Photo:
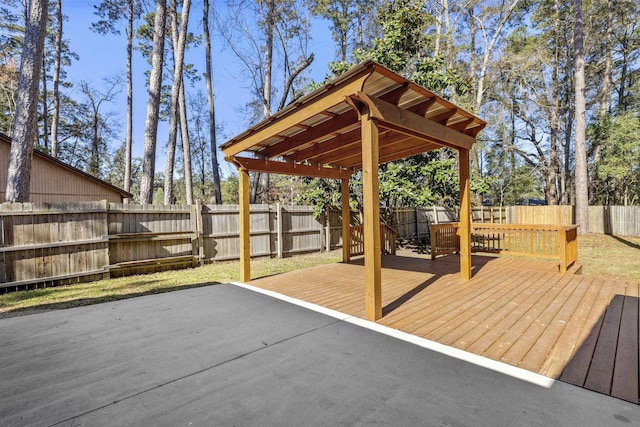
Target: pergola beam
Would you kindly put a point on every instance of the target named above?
(354, 150)
(336, 143)
(329, 126)
(394, 117)
(270, 166)
(297, 113)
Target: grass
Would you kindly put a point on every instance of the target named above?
(599, 255)
(131, 286)
(613, 256)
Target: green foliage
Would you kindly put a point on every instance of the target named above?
(618, 171)
(229, 188)
(323, 194)
(431, 73)
(403, 25)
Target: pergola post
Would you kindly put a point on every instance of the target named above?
(346, 221)
(371, 196)
(465, 215)
(245, 237)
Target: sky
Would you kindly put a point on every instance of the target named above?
(104, 56)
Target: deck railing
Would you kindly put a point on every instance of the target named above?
(540, 241)
(387, 240)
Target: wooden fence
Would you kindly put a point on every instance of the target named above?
(615, 220)
(44, 244)
(556, 215)
(59, 243)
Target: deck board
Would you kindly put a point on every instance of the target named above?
(579, 329)
(625, 377)
(535, 358)
(600, 374)
(567, 343)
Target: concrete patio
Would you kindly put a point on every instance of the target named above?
(224, 355)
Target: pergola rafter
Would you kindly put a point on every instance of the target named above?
(364, 118)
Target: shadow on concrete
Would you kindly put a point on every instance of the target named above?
(97, 300)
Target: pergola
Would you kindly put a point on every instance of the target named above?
(364, 118)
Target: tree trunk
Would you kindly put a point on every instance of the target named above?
(270, 22)
(551, 191)
(581, 175)
(24, 129)
(210, 98)
(45, 110)
(179, 42)
(438, 35)
(568, 111)
(447, 33)
(153, 105)
(170, 158)
(605, 91)
(605, 99)
(186, 146)
(268, 58)
(94, 161)
(129, 137)
(56, 82)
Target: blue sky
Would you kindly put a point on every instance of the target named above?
(103, 56)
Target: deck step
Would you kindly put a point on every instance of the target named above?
(575, 269)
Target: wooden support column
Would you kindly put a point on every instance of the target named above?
(245, 237)
(371, 196)
(465, 214)
(346, 222)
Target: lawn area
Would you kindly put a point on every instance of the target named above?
(613, 256)
(131, 286)
(599, 255)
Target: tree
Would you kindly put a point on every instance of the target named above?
(24, 131)
(153, 105)
(55, 119)
(581, 177)
(178, 35)
(110, 12)
(618, 172)
(346, 18)
(211, 102)
(275, 43)
(97, 123)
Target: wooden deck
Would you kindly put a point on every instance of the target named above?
(580, 329)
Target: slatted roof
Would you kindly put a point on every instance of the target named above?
(320, 134)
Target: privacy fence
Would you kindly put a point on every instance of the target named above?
(43, 244)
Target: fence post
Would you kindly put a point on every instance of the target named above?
(435, 215)
(327, 233)
(200, 231)
(280, 243)
(104, 204)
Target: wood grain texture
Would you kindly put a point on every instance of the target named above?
(579, 329)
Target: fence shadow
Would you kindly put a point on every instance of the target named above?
(80, 302)
(626, 242)
(607, 360)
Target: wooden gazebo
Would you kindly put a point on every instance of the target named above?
(364, 118)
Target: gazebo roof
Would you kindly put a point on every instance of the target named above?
(319, 134)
